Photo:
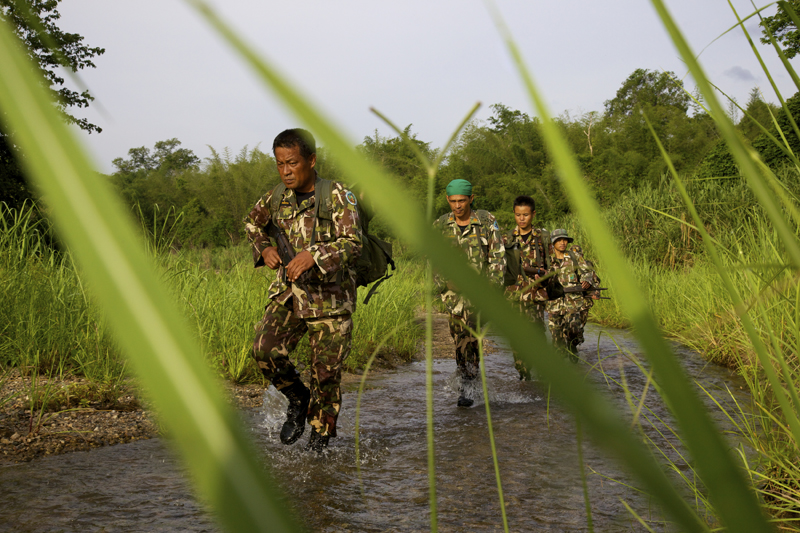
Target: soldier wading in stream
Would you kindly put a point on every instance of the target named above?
(322, 304)
(530, 247)
(478, 235)
(567, 315)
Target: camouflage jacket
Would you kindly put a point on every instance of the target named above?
(482, 242)
(570, 274)
(337, 244)
(533, 253)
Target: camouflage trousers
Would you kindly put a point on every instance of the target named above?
(467, 356)
(534, 311)
(330, 338)
(567, 329)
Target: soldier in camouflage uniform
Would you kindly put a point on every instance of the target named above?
(478, 235)
(324, 306)
(534, 251)
(567, 315)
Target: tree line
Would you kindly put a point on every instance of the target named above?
(502, 157)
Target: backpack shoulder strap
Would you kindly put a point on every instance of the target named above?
(275, 200)
(323, 193)
(544, 242)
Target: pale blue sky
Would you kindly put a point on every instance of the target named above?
(165, 74)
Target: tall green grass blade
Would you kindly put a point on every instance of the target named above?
(361, 385)
(750, 170)
(432, 168)
(149, 327)
(780, 144)
(737, 507)
(600, 418)
(788, 66)
(767, 72)
(496, 463)
(584, 484)
(756, 340)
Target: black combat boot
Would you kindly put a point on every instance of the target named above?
(299, 398)
(463, 399)
(572, 351)
(317, 442)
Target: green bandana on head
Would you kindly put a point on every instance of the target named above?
(459, 186)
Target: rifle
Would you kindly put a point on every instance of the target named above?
(580, 289)
(534, 271)
(286, 253)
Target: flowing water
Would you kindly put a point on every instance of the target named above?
(140, 487)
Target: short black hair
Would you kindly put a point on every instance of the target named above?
(296, 137)
(525, 200)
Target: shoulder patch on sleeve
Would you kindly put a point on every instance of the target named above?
(351, 198)
(495, 226)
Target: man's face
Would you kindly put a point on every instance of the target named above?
(524, 216)
(459, 204)
(561, 244)
(296, 171)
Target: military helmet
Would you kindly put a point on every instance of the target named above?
(560, 234)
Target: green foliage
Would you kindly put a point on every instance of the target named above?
(783, 27)
(49, 47)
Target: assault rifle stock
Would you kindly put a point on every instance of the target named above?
(286, 253)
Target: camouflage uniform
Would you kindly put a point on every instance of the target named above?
(533, 253)
(482, 242)
(567, 315)
(326, 316)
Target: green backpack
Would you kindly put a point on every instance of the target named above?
(375, 264)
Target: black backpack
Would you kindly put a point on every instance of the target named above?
(375, 264)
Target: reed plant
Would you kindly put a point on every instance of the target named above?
(168, 358)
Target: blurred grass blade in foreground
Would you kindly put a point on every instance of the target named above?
(93, 222)
(601, 420)
(729, 492)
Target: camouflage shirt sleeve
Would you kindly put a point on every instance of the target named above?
(254, 224)
(345, 247)
(497, 254)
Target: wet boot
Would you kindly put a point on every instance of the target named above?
(463, 399)
(317, 443)
(572, 351)
(299, 398)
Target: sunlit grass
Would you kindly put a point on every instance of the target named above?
(159, 341)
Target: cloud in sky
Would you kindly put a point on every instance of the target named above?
(740, 74)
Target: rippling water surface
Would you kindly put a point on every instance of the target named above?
(139, 487)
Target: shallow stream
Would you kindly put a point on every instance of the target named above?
(140, 487)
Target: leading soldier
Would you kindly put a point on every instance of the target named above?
(533, 245)
(567, 315)
(478, 236)
(323, 305)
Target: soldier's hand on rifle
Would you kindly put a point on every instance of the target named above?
(271, 257)
(586, 285)
(301, 262)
